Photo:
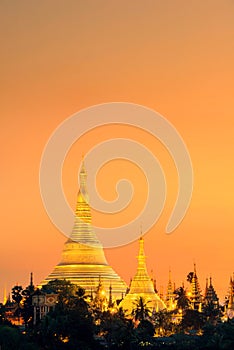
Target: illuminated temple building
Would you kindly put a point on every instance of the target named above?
(84, 263)
(83, 260)
(142, 286)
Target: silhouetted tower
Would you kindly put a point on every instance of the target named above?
(195, 292)
(210, 296)
(170, 296)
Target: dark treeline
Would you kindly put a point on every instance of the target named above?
(79, 322)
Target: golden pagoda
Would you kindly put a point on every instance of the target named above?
(83, 260)
(170, 297)
(142, 286)
(230, 300)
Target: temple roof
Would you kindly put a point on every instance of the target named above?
(210, 293)
(195, 296)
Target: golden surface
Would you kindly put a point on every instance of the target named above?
(142, 286)
(83, 260)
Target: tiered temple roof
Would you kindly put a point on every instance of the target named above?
(210, 294)
(170, 296)
(195, 292)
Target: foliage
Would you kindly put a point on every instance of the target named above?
(190, 277)
(17, 297)
(66, 329)
(211, 312)
(70, 325)
(2, 314)
(74, 324)
(65, 289)
(12, 339)
(181, 298)
(23, 299)
(163, 322)
(192, 320)
(117, 331)
(9, 337)
(27, 310)
(17, 294)
(141, 310)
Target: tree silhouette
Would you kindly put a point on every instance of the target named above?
(17, 297)
(17, 294)
(163, 322)
(181, 298)
(211, 312)
(190, 277)
(27, 309)
(118, 331)
(192, 320)
(140, 310)
(65, 289)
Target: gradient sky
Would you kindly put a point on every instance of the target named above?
(175, 57)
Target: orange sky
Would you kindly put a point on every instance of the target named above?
(175, 57)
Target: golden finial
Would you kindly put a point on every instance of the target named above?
(5, 296)
(169, 273)
(141, 230)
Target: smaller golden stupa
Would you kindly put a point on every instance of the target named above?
(142, 286)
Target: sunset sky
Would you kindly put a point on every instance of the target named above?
(175, 57)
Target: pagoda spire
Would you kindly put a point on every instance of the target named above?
(170, 296)
(231, 294)
(195, 297)
(9, 298)
(83, 231)
(141, 257)
(142, 285)
(83, 182)
(210, 296)
(206, 288)
(5, 296)
(83, 260)
(31, 287)
(83, 212)
(142, 275)
(31, 279)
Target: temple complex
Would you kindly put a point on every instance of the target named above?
(83, 263)
(230, 299)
